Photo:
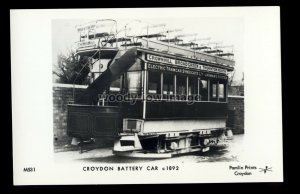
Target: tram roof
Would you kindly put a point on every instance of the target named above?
(164, 49)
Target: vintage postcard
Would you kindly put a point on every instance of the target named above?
(146, 95)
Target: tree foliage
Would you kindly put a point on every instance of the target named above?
(70, 70)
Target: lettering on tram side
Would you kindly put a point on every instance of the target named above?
(185, 64)
(185, 71)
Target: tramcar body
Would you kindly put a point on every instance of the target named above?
(152, 97)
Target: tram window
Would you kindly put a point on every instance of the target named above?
(222, 92)
(154, 83)
(133, 83)
(137, 66)
(203, 90)
(115, 86)
(193, 88)
(213, 91)
(168, 85)
(181, 87)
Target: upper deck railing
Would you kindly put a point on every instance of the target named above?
(94, 39)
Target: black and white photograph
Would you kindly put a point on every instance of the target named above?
(123, 96)
(147, 90)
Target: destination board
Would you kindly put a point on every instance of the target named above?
(185, 64)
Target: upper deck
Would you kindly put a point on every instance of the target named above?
(102, 36)
(155, 47)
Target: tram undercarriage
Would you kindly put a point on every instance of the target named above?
(165, 145)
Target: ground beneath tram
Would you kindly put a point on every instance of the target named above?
(105, 155)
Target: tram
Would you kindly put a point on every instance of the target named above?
(155, 99)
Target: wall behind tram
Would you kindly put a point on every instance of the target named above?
(236, 114)
(63, 93)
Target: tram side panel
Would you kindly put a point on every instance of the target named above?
(133, 109)
(85, 122)
(181, 110)
(183, 117)
(185, 125)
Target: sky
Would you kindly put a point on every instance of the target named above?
(227, 30)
